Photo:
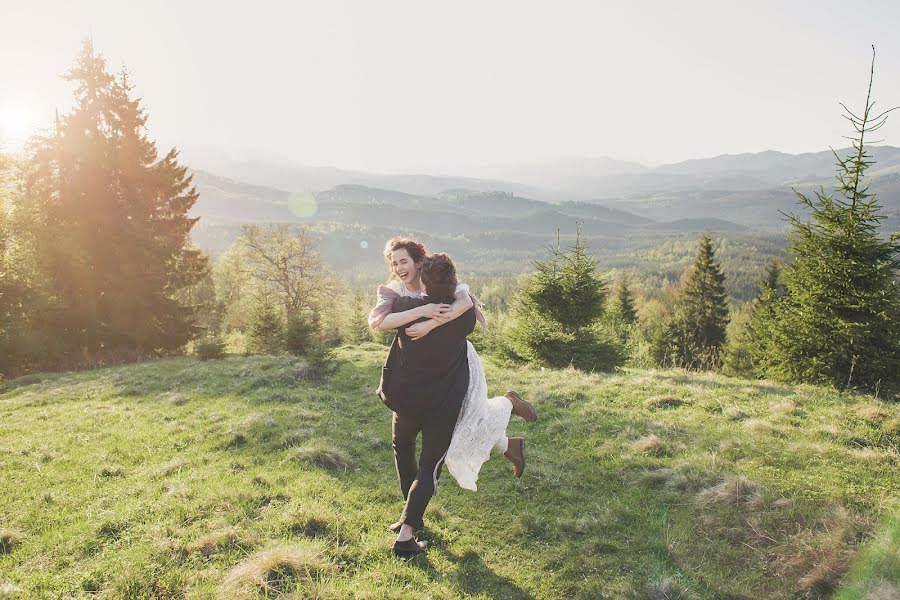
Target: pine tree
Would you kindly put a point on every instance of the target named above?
(748, 346)
(697, 332)
(267, 329)
(839, 322)
(625, 302)
(762, 317)
(559, 310)
(109, 226)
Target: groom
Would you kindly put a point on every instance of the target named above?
(425, 382)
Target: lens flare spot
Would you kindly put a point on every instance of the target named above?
(364, 244)
(303, 204)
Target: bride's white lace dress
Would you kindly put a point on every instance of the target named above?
(481, 425)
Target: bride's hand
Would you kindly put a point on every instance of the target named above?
(420, 330)
(434, 311)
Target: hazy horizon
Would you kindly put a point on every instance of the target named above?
(413, 87)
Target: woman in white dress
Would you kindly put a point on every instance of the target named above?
(482, 421)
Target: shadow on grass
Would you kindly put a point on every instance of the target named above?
(690, 378)
(472, 576)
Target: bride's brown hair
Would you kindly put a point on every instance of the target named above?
(415, 250)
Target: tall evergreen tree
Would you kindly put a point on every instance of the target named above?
(839, 322)
(625, 302)
(109, 225)
(559, 310)
(697, 331)
(748, 341)
(762, 317)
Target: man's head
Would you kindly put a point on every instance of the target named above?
(439, 276)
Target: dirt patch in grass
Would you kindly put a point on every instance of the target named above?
(296, 438)
(305, 523)
(112, 529)
(9, 539)
(275, 571)
(663, 402)
(111, 471)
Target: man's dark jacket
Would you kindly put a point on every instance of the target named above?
(422, 374)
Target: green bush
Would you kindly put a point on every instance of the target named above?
(559, 313)
(301, 335)
(210, 348)
(266, 335)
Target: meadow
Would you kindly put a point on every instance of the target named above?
(252, 477)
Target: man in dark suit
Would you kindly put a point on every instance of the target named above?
(425, 382)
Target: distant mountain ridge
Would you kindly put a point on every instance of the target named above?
(497, 226)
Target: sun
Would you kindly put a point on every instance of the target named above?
(14, 126)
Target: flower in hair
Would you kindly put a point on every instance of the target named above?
(421, 247)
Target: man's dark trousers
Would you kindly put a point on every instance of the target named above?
(418, 482)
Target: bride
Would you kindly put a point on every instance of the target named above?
(482, 421)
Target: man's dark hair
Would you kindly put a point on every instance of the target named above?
(439, 276)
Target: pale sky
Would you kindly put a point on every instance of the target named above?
(418, 85)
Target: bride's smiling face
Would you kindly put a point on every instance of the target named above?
(404, 267)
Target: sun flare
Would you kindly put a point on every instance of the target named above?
(14, 125)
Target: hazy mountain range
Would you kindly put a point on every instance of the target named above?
(502, 215)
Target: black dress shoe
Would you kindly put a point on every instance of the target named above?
(409, 548)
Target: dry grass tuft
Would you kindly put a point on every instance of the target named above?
(880, 590)
(324, 457)
(9, 539)
(173, 466)
(870, 412)
(819, 560)
(8, 590)
(650, 445)
(735, 414)
(110, 471)
(735, 492)
(759, 427)
(275, 571)
(667, 589)
(218, 540)
(663, 402)
(295, 439)
(786, 408)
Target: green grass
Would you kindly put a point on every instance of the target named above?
(240, 478)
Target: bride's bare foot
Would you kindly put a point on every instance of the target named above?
(521, 407)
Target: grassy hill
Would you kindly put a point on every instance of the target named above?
(244, 478)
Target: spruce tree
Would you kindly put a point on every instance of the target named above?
(559, 310)
(748, 343)
(839, 322)
(697, 332)
(762, 317)
(625, 302)
(109, 225)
